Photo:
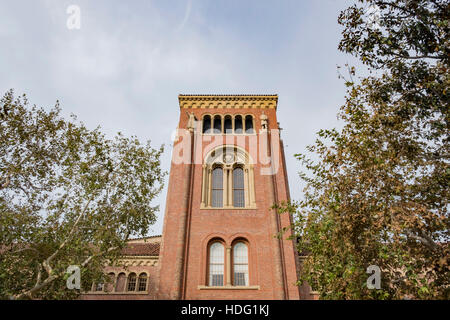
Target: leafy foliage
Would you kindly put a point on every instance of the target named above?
(68, 196)
(378, 193)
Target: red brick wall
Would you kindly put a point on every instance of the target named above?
(255, 225)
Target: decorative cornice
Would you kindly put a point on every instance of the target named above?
(133, 261)
(231, 101)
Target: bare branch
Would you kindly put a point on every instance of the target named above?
(46, 263)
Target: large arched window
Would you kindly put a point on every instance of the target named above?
(248, 124)
(238, 187)
(217, 124)
(216, 264)
(142, 283)
(240, 264)
(238, 128)
(217, 188)
(131, 282)
(207, 124)
(228, 179)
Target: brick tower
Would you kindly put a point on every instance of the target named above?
(227, 171)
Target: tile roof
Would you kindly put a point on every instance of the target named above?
(141, 249)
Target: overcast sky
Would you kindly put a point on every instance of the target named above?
(124, 68)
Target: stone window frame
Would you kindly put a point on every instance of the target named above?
(232, 264)
(138, 284)
(129, 282)
(208, 262)
(125, 288)
(233, 116)
(228, 268)
(217, 158)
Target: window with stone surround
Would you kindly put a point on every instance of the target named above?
(240, 264)
(131, 282)
(216, 265)
(228, 124)
(228, 179)
(227, 266)
(142, 283)
(120, 283)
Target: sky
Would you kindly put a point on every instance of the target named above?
(124, 67)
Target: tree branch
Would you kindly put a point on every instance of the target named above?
(424, 239)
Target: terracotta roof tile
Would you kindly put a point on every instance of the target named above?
(141, 249)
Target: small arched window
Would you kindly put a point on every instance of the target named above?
(216, 264)
(99, 286)
(131, 282)
(206, 124)
(217, 124)
(228, 125)
(238, 124)
(248, 124)
(109, 286)
(217, 188)
(240, 264)
(120, 285)
(238, 187)
(142, 283)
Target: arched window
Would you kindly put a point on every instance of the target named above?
(238, 124)
(248, 124)
(98, 286)
(217, 188)
(228, 179)
(240, 264)
(238, 187)
(120, 285)
(109, 286)
(228, 125)
(206, 124)
(217, 124)
(142, 284)
(131, 282)
(216, 264)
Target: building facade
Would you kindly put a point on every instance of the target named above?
(219, 236)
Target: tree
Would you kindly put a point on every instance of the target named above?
(379, 192)
(68, 196)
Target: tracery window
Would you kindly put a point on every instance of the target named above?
(228, 179)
